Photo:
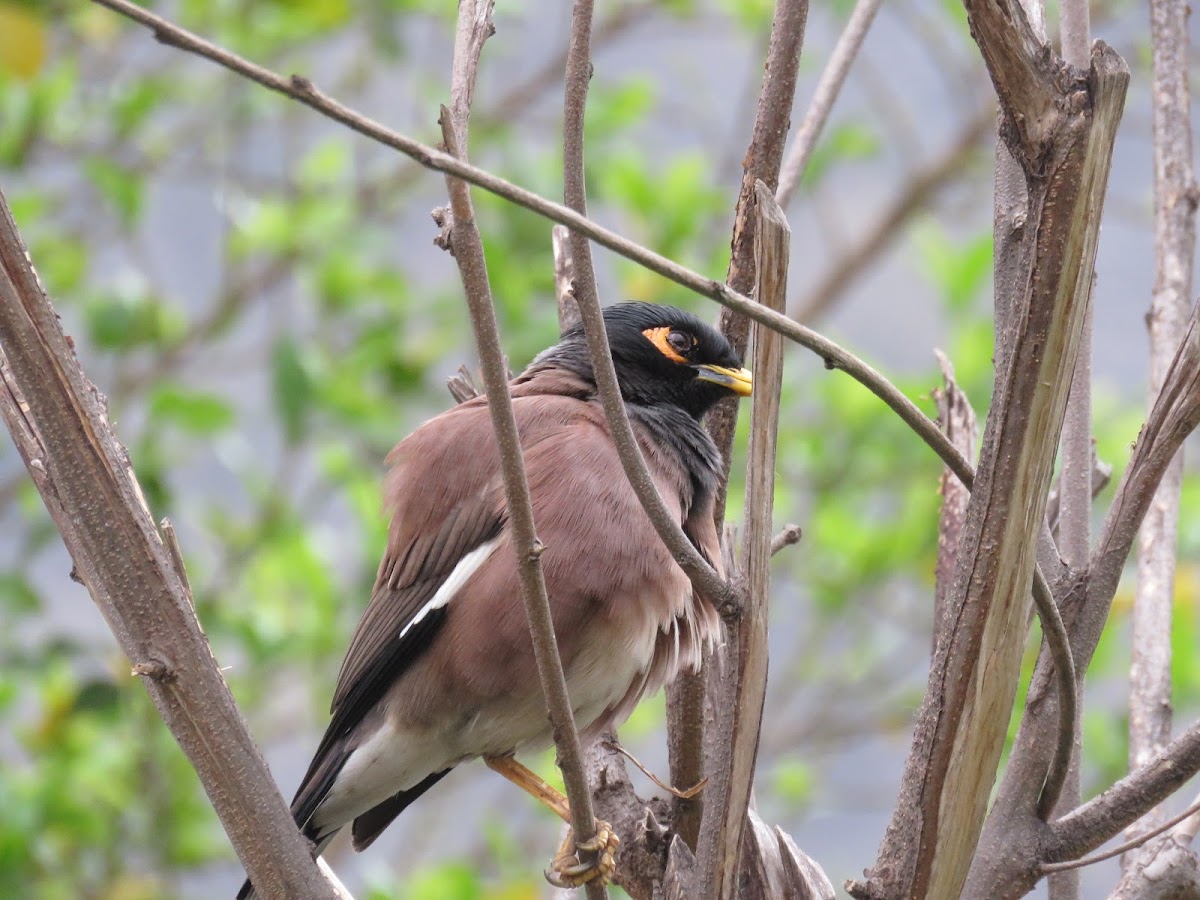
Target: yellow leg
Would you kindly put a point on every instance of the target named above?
(567, 870)
(532, 784)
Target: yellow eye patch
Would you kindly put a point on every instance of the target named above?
(658, 337)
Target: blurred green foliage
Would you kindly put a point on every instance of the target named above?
(260, 370)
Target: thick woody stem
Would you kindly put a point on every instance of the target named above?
(60, 424)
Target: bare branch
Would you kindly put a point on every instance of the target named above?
(468, 252)
(302, 90)
(743, 690)
(474, 27)
(961, 728)
(704, 578)
(788, 535)
(1099, 819)
(1174, 415)
(1175, 242)
(826, 93)
(761, 163)
(1132, 844)
(917, 194)
(59, 422)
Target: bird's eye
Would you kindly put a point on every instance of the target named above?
(681, 342)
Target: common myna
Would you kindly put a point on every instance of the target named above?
(441, 668)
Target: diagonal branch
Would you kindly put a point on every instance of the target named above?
(761, 163)
(303, 91)
(1096, 821)
(59, 422)
(703, 577)
(825, 95)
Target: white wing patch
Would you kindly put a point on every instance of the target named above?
(467, 566)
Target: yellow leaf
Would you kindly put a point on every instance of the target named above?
(22, 41)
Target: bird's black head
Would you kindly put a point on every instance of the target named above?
(663, 355)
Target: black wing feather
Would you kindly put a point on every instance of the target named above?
(378, 655)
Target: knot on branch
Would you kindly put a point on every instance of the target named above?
(444, 220)
(154, 668)
(302, 84)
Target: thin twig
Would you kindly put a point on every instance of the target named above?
(1189, 827)
(468, 253)
(1054, 633)
(826, 93)
(681, 793)
(788, 535)
(1093, 823)
(1133, 844)
(474, 27)
(704, 578)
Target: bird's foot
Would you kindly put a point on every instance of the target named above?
(568, 871)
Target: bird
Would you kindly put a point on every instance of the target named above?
(440, 669)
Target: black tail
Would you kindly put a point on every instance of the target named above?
(371, 824)
(366, 828)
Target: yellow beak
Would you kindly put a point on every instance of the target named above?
(740, 381)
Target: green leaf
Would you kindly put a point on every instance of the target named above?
(325, 165)
(794, 780)
(292, 389)
(17, 594)
(959, 268)
(120, 187)
(196, 411)
(119, 323)
(847, 142)
(268, 225)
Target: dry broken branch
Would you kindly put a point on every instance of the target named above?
(1062, 130)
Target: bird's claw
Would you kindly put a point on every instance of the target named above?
(567, 871)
